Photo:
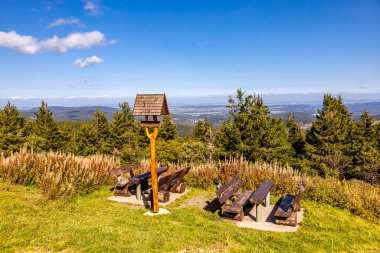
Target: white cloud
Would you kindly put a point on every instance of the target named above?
(67, 21)
(82, 63)
(74, 40)
(22, 43)
(29, 45)
(92, 7)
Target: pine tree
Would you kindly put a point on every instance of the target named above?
(125, 134)
(203, 132)
(296, 136)
(102, 131)
(228, 140)
(364, 151)
(12, 129)
(328, 139)
(167, 130)
(45, 130)
(86, 141)
(261, 135)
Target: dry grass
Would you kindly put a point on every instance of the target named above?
(57, 175)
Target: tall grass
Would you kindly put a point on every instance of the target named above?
(60, 176)
(57, 175)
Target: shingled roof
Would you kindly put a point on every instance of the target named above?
(150, 104)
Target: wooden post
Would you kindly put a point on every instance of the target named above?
(259, 213)
(153, 170)
(267, 200)
(138, 191)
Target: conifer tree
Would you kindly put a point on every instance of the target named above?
(102, 131)
(297, 138)
(167, 130)
(328, 138)
(125, 134)
(12, 129)
(203, 132)
(45, 130)
(364, 151)
(261, 135)
(228, 140)
(86, 141)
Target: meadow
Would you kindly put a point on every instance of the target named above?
(340, 216)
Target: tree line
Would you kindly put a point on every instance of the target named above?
(335, 146)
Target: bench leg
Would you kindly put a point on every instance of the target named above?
(259, 213)
(267, 200)
(138, 191)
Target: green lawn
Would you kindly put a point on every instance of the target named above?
(92, 223)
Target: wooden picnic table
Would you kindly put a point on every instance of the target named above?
(257, 198)
(142, 179)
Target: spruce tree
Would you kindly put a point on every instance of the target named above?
(102, 131)
(261, 135)
(45, 130)
(125, 134)
(297, 138)
(12, 129)
(364, 151)
(328, 139)
(203, 132)
(86, 141)
(167, 130)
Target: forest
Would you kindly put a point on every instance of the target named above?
(336, 146)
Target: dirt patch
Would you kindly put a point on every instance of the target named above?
(198, 201)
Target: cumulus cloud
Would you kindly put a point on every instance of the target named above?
(29, 45)
(22, 43)
(92, 7)
(82, 63)
(65, 21)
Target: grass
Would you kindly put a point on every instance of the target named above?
(91, 223)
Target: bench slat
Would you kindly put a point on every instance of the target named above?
(239, 202)
(286, 207)
(230, 188)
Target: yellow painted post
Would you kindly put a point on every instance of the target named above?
(153, 170)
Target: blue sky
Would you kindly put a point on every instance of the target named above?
(74, 48)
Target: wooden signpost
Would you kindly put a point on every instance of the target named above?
(153, 105)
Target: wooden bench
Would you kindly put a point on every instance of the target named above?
(178, 185)
(171, 183)
(235, 209)
(286, 213)
(257, 198)
(135, 183)
(163, 186)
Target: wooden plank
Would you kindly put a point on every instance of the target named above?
(239, 202)
(299, 195)
(291, 221)
(285, 209)
(230, 188)
(259, 195)
(179, 180)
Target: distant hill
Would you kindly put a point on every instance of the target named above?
(189, 115)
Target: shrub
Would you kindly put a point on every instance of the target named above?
(58, 175)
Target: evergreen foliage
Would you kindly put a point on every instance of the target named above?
(12, 129)
(364, 151)
(46, 135)
(328, 139)
(167, 130)
(261, 136)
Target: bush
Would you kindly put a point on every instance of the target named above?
(56, 174)
(360, 198)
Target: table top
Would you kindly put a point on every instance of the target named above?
(261, 192)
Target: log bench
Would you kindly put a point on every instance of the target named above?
(286, 213)
(257, 198)
(234, 210)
